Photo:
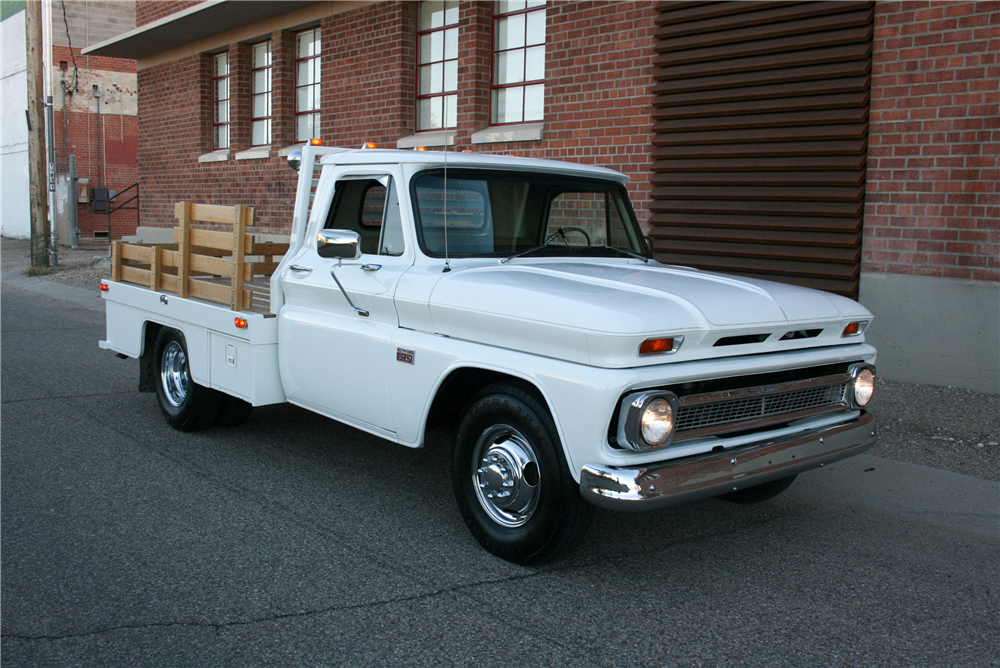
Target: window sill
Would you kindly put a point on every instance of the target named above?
(283, 153)
(215, 156)
(254, 153)
(439, 138)
(508, 133)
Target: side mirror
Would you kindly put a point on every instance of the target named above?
(295, 159)
(339, 244)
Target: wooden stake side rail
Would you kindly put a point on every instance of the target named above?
(206, 264)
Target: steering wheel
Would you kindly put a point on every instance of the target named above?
(561, 232)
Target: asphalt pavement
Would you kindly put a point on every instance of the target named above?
(296, 541)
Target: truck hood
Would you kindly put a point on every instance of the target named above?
(599, 312)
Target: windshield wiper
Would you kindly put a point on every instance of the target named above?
(576, 250)
(527, 251)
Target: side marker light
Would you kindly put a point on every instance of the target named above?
(105, 287)
(241, 323)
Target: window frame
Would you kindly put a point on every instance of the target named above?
(317, 84)
(494, 52)
(217, 101)
(269, 92)
(418, 96)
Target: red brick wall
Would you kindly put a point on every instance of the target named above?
(597, 110)
(107, 158)
(147, 11)
(933, 201)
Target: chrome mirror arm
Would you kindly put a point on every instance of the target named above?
(333, 272)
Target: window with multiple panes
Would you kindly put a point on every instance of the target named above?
(437, 65)
(260, 123)
(307, 76)
(518, 61)
(220, 85)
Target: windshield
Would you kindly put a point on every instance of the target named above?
(481, 213)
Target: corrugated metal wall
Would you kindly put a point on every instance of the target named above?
(761, 139)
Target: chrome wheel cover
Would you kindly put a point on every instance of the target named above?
(174, 374)
(505, 475)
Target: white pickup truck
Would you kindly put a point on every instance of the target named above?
(517, 300)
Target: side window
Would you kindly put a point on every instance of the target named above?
(370, 207)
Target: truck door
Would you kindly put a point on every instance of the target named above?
(333, 359)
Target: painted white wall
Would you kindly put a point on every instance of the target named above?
(15, 217)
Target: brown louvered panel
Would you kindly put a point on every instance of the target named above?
(760, 139)
(766, 37)
(786, 118)
(751, 17)
(759, 207)
(720, 222)
(847, 66)
(681, 12)
(784, 193)
(726, 179)
(775, 148)
(759, 62)
(794, 237)
(849, 161)
(767, 94)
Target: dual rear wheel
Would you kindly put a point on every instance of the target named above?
(186, 405)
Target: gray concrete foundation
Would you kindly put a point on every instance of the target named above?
(940, 331)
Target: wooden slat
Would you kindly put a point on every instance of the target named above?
(243, 219)
(208, 213)
(208, 239)
(155, 269)
(134, 275)
(169, 282)
(134, 252)
(184, 245)
(214, 266)
(212, 292)
(116, 261)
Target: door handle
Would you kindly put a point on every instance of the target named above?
(371, 267)
(300, 269)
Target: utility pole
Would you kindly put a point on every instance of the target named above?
(36, 136)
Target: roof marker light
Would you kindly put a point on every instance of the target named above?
(370, 144)
(316, 142)
(420, 148)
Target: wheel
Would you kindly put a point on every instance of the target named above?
(186, 405)
(511, 481)
(759, 493)
(233, 411)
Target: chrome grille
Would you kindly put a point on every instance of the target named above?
(721, 412)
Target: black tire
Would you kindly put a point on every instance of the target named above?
(546, 515)
(233, 411)
(759, 493)
(186, 405)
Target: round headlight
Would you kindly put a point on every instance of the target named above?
(657, 421)
(864, 387)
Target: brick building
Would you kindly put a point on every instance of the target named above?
(849, 146)
(95, 117)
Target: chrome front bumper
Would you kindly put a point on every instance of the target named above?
(669, 483)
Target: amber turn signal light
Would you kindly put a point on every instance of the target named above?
(653, 346)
